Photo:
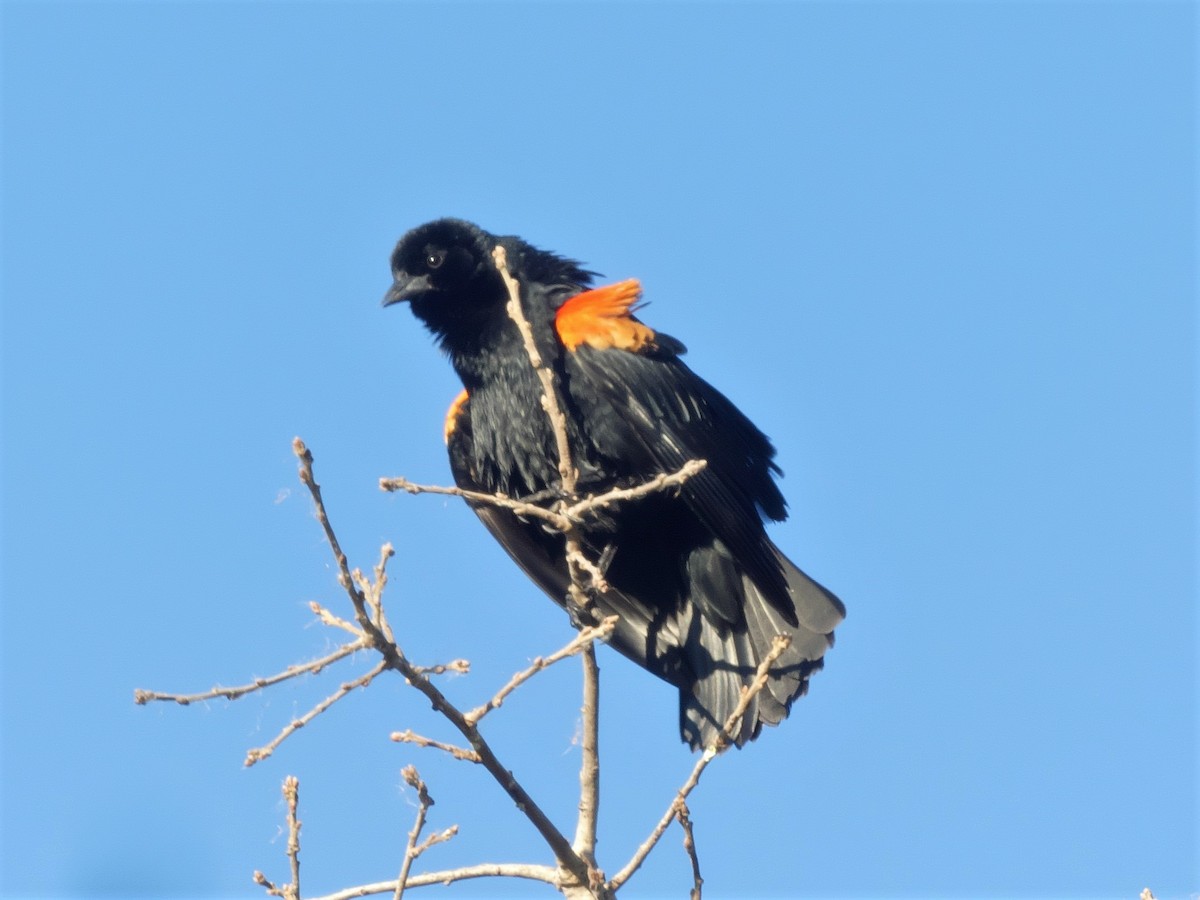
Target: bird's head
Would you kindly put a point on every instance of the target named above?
(445, 270)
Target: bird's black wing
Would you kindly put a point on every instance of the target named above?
(647, 412)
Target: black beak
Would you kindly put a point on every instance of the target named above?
(405, 287)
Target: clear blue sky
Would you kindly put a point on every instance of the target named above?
(943, 253)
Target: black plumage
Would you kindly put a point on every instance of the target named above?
(700, 589)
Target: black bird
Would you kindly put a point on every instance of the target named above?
(700, 589)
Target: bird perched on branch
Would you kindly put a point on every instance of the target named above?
(700, 589)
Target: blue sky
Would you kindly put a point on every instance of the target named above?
(943, 253)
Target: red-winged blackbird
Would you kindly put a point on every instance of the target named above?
(700, 589)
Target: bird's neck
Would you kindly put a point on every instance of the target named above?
(492, 353)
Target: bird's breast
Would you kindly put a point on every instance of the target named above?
(513, 445)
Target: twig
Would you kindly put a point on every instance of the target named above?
(571, 514)
(589, 770)
(258, 754)
(457, 666)
(567, 473)
(564, 518)
(722, 742)
(552, 404)
(345, 578)
(142, 697)
(373, 591)
(689, 845)
(516, 507)
(261, 879)
(335, 621)
(410, 737)
(413, 850)
(531, 871)
(291, 791)
(584, 574)
(618, 495)
(581, 642)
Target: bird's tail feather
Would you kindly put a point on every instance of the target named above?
(724, 659)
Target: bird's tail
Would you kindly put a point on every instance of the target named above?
(724, 658)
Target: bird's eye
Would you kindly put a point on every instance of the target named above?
(434, 258)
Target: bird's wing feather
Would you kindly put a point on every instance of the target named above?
(647, 412)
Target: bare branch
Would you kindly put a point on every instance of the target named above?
(689, 844)
(142, 697)
(345, 579)
(720, 745)
(545, 874)
(582, 641)
(291, 792)
(410, 737)
(619, 495)
(272, 890)
(374, 591)
(550, 401)
(456, 666)
(439, 837)
(517, 507)
(570, 515)
(585, 574)
(335, 621)
(258, 754)
(413, 849)
(589, 769)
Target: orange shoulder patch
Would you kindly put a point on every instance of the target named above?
(452, 414)
(603, 318)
